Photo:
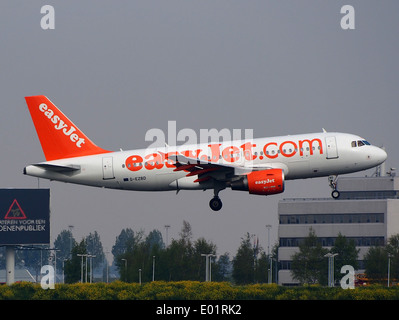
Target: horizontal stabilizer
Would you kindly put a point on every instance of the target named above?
(58, 168)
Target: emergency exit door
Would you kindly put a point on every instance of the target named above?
(108, 169)
(331, 146)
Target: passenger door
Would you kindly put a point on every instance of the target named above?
(108, 169)
(331, 146)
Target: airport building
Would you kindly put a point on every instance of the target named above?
(366, 211)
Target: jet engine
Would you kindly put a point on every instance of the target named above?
(262, 182)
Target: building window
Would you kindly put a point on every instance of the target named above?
(285, 265)
(330, 241)
(331, 218)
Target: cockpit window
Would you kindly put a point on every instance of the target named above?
(362, 143)
(359, 143)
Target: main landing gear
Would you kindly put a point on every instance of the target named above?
(333, 184)
(216, 203)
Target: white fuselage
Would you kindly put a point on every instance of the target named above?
(300, 156)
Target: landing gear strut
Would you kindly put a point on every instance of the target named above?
(333, 184)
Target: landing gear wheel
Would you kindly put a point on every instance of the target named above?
(335, 194)
(215, 204)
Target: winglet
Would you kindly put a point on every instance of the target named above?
(59, 137)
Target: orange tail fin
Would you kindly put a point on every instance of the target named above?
(59, 137)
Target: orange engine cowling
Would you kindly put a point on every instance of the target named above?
(263, 182)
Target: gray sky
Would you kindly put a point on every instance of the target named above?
(120, 68)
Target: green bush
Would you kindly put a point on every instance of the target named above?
(190, 290)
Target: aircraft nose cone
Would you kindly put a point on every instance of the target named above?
(384, 155)
(380, 155)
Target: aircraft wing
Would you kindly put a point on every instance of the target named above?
(222, 172)
(203, 169)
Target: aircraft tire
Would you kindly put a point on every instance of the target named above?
(215, 204)
(335, 194)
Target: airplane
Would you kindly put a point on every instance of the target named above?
(259, 166)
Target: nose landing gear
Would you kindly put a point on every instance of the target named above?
(333, 184)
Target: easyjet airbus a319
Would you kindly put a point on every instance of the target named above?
(260, 166)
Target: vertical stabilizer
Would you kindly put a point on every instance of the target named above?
(60, 137)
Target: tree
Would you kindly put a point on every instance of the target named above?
(156, 248)
(183, 260)
(376, 262)
(243, 262)
(262, 268)
(251, 263)
(95, 248)
(123, 242)
(309, 264)
(132, 255)
(186, 233)
(63, 244)
(73, 267)
(176, 260)
(274, 266)
(347, 254)
(198, 262)
(392, 249)
(154, 238)
(138, 253)
(223, 268)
